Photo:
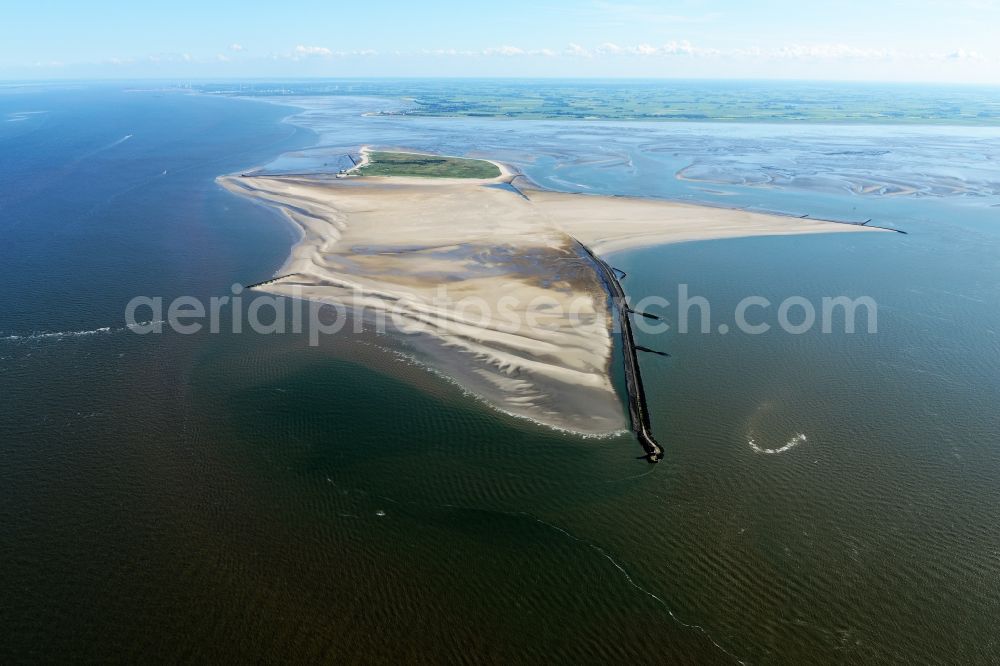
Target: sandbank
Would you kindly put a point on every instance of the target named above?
(485, 283)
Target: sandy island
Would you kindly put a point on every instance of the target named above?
(438, 253)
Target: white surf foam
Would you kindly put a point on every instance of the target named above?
(788, 446)
(58, 335)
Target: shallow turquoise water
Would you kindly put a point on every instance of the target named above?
(221, 496)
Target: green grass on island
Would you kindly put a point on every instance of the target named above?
(426, 166)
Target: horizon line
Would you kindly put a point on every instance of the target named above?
(275, 79)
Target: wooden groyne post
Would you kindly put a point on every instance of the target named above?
(274, 279)
(638, 411)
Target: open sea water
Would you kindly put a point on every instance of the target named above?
(221, 497)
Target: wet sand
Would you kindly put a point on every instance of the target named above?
(485, 285)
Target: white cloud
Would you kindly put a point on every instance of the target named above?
(447, 52)
(168, 57)
(806, 53)
(671, 48)
(303, 51)
(831, 51)
(504, 51)
(236, 47)
(961, 54)
(684, 48)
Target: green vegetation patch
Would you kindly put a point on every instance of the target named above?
(426, 166)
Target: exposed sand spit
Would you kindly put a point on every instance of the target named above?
(485, 285)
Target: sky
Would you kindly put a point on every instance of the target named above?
(883, 40)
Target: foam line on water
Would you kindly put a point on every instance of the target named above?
(59, 335)
(628, 578)
(787, 446)
(569, 535)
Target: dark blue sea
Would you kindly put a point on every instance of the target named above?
(823, 497)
